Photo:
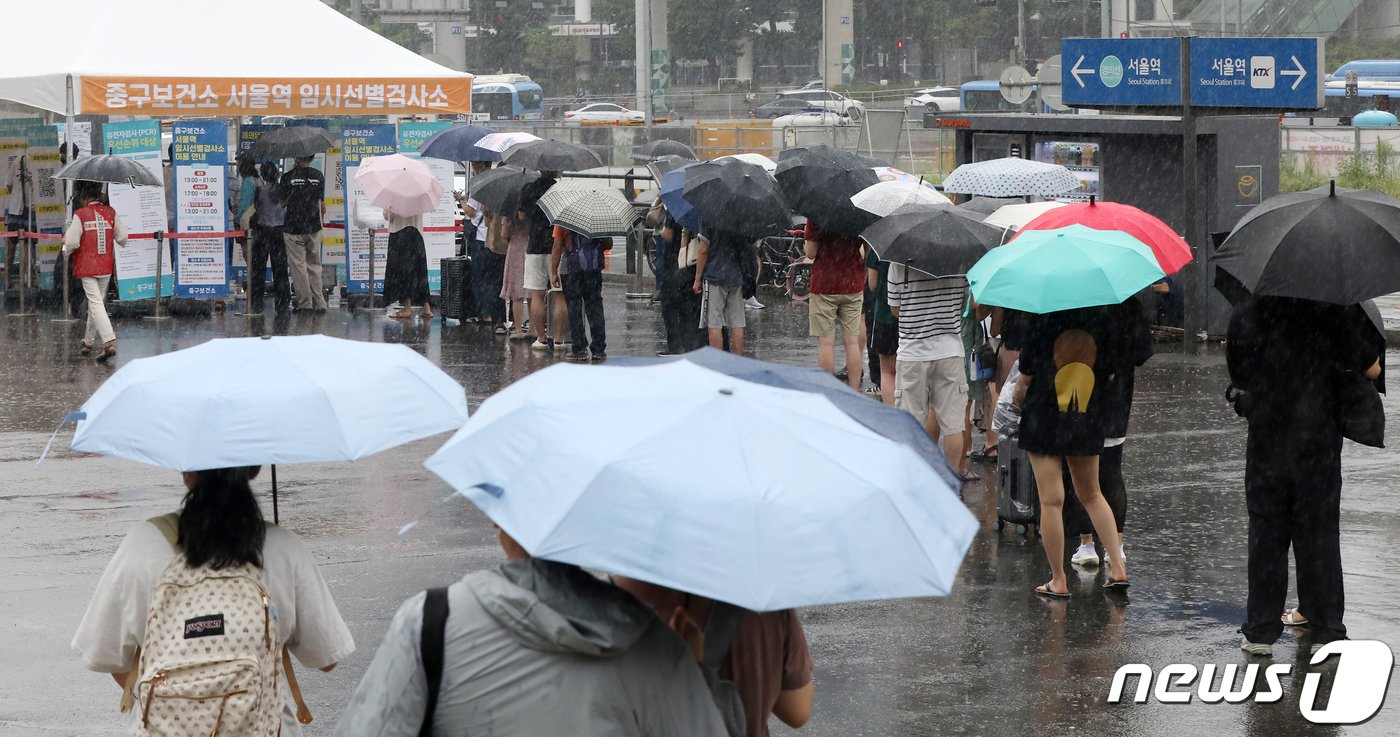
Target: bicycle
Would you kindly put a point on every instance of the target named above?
(783, 265)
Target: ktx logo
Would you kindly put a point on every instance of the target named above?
(1357, 694)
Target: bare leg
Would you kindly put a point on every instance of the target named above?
(517, 313)
(1084, 470)
(736, 341)
(537, 320)
(826, 353)
(855, 357)
(1051, 485)
(887, 379)
(559, 324)
(717, 338)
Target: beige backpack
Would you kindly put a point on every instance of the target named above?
(209, 663)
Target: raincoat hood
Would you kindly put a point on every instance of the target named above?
(560, 608)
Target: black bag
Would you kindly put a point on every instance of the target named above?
(749, 267)
(1018, 500)
(1360, 413)
(1239, 399)
(456, 288)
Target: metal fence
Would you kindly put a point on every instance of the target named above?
(1327, 149)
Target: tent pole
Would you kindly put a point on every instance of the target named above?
(68, 200)
(371, 269)
(275, 517)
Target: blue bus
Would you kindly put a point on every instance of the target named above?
(507, 97)
(984, 96)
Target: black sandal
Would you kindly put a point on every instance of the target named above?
(986, 455)
(1045, 590)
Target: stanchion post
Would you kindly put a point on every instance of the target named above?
(370, 287)
(160, 240)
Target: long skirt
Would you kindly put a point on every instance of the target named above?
(406, 270)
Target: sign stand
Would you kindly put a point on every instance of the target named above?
(1194, 309)
(26, 260)
(157, 315)
(370, 289)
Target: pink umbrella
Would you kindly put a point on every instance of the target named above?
(399, 184)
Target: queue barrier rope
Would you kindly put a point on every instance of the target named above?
(226, 234)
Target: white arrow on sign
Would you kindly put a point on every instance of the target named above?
(1078, 70)
(1299, 73)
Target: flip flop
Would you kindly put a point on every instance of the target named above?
(986, 455)
(1294, 618)
(970, 477)
(1113, 584)
(1045, 590)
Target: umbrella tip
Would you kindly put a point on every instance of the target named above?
(727, 392)
(1334, 189)
(267, 337)
(1092, 199)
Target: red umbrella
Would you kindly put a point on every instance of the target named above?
(1171, 250)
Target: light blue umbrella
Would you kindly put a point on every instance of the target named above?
(250, 401)
(1064, 269)
(758, 496)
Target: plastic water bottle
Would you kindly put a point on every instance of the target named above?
(451, 322)
(334, 302)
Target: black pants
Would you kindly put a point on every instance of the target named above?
(1115, 492)
(1294, 497)
(689, 334)
(583, 294)
(488, 271)
(268, 244)
(871, 356)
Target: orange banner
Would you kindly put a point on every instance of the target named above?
(174, 96)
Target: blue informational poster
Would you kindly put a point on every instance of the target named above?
(439, 236)
(142, 210)
(358, 143)
(201, 205)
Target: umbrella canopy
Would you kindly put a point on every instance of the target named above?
(789, 502)
(1171, 250)
(673, 197)
(987, 205)
(937, 240)
(399, 184)
(498, 190)
(291, 142)
(550, 155)
(589, 210)
(664, 147)
(884, 197)
(248, 401)
(1015, 216)
(1328, 244)
(891, 174)
(109, 168)
(457, 143)
(490, 147)
(1011, 177)
(758, 160)
(895, 424)
(1068, 268)
(738, 197)
(664, 165)
(819, 181)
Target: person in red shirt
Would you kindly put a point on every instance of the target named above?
(837, 297)
(92, 233)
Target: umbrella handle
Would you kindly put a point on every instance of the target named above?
(275, 519)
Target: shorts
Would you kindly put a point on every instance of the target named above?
(537, 272)
(722, 307)
(826, 311)
(884, 338)
(939, 385)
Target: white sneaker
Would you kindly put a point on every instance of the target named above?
(561, 346)
(1085, 556)
(1261, 649)
(539, 345)
(753, 303)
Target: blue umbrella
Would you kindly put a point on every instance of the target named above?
(250, 401)
(672, 196)
(761, 497)
(458, 144)
(894, 424)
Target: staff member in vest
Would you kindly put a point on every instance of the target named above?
(92, 232)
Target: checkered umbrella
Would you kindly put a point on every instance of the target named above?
(1011, 177)
(589, 210)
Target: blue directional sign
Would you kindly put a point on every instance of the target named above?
(1277, 73)
(1121, 72)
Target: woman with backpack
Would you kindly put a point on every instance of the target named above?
(196, 611)
(88, 246)
(576, 266)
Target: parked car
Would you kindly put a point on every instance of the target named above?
(783, 106)
(604, 112)
(812, 117)
(935, 99)
(828, 100)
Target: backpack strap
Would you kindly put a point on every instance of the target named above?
(169, 525)
(129, 688)
(431, 644)
(303, 713)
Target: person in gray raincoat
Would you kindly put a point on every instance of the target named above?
(536, 648)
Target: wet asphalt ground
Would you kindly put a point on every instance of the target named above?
(991, 659)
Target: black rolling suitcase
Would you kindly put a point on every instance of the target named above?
(456, 288)
(1017, 501)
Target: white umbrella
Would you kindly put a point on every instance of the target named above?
(1016, 216)
(1011, 177)
(499, 142)
(758, 160)
(884, 198)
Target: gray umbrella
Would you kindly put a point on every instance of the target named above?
(942, 241)
(291, 142)
(988, 205)
(550, 155)
(664, 147)
(109, 168)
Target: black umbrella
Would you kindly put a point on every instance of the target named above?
(1328, 244)
(819, 182)
(988, 205)
(736, 197)
(108, 168)
(291, 142)
(942, 241)
(458, 143)
(498, 190)
(664, 165)
(550, 155)
(664, 147)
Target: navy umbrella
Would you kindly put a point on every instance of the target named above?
(673, 197)
(895, 424)
(458, 143)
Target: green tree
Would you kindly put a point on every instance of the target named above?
(549, 59)
(407, 35)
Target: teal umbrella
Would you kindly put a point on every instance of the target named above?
(1063, 269)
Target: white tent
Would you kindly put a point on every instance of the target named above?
(226, 57)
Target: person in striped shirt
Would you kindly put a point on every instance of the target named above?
(929, 372)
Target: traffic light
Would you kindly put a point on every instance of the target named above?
(899, 44)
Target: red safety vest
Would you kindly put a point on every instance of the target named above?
(94, 256)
